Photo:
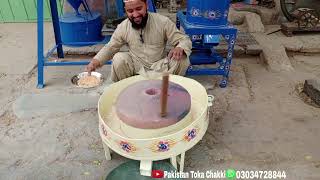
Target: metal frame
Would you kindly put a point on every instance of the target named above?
(43, 59)
(198, 56)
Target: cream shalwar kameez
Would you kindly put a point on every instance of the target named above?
(149, 54)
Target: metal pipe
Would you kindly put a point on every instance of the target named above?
(40, 43)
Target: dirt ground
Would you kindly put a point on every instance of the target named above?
(259, 122)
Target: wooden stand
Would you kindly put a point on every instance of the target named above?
(164, 94)
(290, 27)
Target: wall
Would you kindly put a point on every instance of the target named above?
(23, 10)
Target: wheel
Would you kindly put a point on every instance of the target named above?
(288, 7)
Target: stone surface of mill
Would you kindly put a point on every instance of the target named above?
(139, 105)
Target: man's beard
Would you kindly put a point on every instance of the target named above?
(142, 24)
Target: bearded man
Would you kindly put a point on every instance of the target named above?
(146, 34)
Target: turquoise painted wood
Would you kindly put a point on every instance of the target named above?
(6, 11)
(18, 10)
(30, 7)
(24, 10)
(1, 18)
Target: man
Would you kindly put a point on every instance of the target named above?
(146, 35)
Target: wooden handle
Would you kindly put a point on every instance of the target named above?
(164, 94)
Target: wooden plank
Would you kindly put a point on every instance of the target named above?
(46, 10)
(25, 10)
(60, 6)
(1, 17)
(6, 11)
(18, 10)
(31, 9)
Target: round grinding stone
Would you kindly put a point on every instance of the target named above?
(139, 104)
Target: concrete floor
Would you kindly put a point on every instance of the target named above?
(259, 122)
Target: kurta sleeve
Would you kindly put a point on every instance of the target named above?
(177, 38)
(113, 46)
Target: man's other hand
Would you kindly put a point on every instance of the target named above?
(176, 53)
(93, 65)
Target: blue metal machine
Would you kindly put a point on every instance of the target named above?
(86, 24)
(204, 21)
(66, 23)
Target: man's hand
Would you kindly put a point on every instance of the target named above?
(176, 53)
(93, 65)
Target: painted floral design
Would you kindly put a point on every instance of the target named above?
(127, 147)
(104, 131)
(162, 146)
(191, 134)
